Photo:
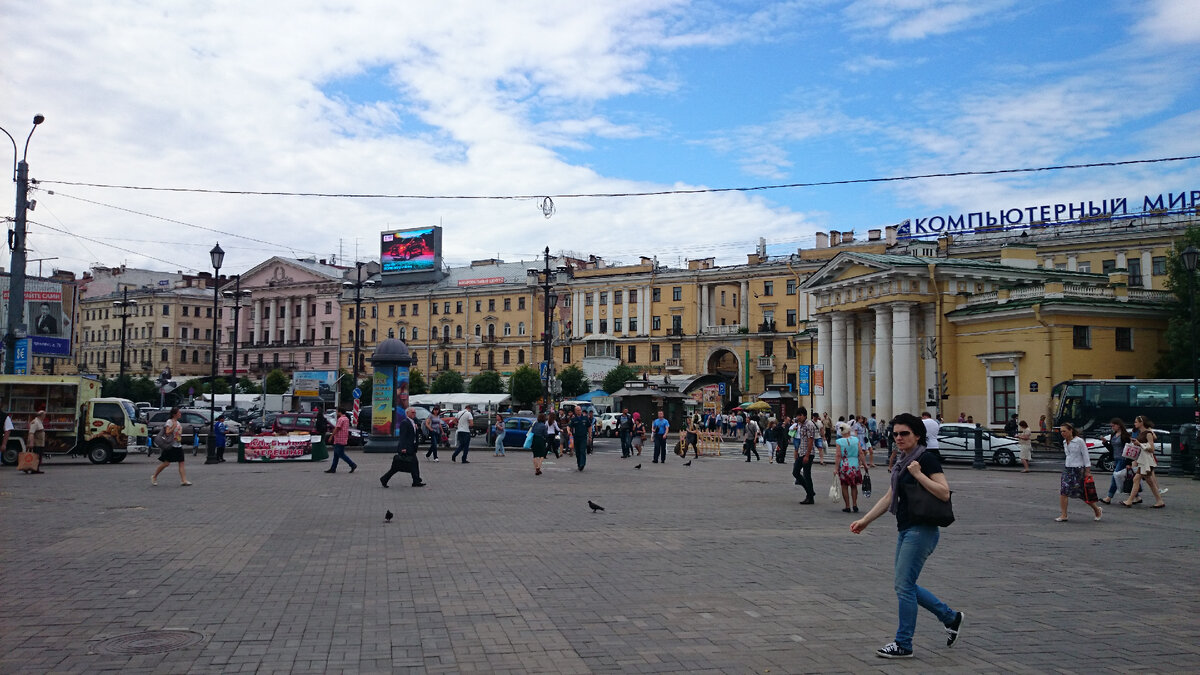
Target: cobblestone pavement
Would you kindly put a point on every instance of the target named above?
(712, 568)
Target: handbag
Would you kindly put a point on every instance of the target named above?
(27, 461)
(1127, 484)
(1089, 490)
(1131, 451)
(866, 484)
(528, 444)
(835, 490)
(403, 463)
(162, 441)
(924, 508)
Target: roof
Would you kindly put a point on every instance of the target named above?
(884, 262)
(974, 310)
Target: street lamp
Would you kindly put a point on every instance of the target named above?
(124, 304)
(358, 284)
(547, 278)
(218, 256)
(16, 290)
(1189, 256)
(236, 294)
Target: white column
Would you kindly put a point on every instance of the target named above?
(304, 318)
(883, 362)
(625, 312)
(744, 304)
(1121, 263)
(903, 361)
(865, 339)
(1048, 263)
(271, 321)
(1072, 263)
(835, 367)
(824, 352)
(644, 306)
(1147, 268)
(703, 306)
(577, 314)
(851, 400)
(929, 317)
(595, 311)
(258, 309)
(611, 313)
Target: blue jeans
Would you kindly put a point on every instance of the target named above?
(1120, 464)
(433, 445)
(913, 547)
(500, 443)
(464, 445)
(660, 448)
(339, 452)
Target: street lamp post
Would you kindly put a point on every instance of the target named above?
(236, 294)
(548, 278)
(218, 256)
(124, 304)
(1190, 256)
(16, 290)
(358, 284)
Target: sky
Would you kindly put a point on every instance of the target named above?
(530, 98)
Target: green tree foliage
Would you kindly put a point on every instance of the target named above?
(1177, 361)
(448, 382)
(345, 385)
(220, 386)
(487, 382)
(136, 389)
(277, 382)
(574, 381)
(525, 386)
(366, 386)
(416, 382)
(248, 386)
(616, 378)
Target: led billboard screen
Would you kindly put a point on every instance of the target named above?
(412, 250)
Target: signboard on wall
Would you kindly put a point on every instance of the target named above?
(49, 308)
(412, 250)
(315, 383)
(818, 379)
(803, 381)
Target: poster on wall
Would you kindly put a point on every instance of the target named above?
(315, 383)
(48, 309)
(276, 448)
(381, 403)
(412, 250)
(818, 379)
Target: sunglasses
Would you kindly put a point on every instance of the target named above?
(901, 434)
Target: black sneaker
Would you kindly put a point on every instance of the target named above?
(952, 630)
(893, 651)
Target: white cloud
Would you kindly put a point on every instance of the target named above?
(866, 63)
(475, 98)
(904, 20)
(1174, 22)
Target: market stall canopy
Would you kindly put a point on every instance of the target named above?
(591, 395)
(757, 406)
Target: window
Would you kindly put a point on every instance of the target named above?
(374, 335)
(521, 302)
(791, 349)
(587, 299)
(521, 328)
(195, 333)
(416, 309)
(165, 355)
(478, 305)
(616, 325)
(458, 307)
(1135, 271)
(325, 358)
(504, 358)
(1124, 339)
(458, 331)
(507, 306)
(391, 310)
(1004, 398)
(492, 305)
(446, 307)
(166, 310)
(478, 330)
(1084, 266)
(1081, 337)
(329, 307)
(656, 323)
(166, 331)
(414, 333)
(604, 297)
(1107, 266)
(403, 310)
(631, 354)
(476, 358)
(587, 325)
(632, 323)
(185, 310)
(458, 358)
(566, 354)
(349, 313)
(633, 295)
(520, 356)
(603, 325)
(433, 308)
(391, 333)
(328, 332)
(616, 297)
(507, 331)
(655, 294)
(791, 317)
(791, 287)
(677, 325)
(768, 288)
(1158, 265)
(654, 354)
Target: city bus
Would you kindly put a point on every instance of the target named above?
(1090, 404)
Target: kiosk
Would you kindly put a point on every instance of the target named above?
(389, 394)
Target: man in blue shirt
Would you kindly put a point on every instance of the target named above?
(219, 429)
(581, 426)
(661, 426)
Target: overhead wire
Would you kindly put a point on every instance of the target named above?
(119, 248)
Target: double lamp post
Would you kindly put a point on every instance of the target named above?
(16, 288)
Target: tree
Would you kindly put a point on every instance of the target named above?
(247, 386)
(416, 383)
(574, 381)
(1177, 361)
(525, 386)
(219, 386)
(447, 382)
(487, 382)
(277, 382)
(616, 378)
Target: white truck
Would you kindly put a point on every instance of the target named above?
(79, 422)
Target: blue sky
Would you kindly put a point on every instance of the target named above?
(533, 97)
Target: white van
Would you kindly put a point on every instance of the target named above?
(570, 405)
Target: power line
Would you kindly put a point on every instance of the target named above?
(119, 248)
(656, 193)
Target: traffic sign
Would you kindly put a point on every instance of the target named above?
(357, 393)
(720, 388)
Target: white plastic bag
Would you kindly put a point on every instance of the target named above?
(835, 490)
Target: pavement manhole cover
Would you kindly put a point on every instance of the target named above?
(149, 642)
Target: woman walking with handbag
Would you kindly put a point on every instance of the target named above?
(1025, 443)
(172, 433)
(1117, 442)
(1077, 470)
(639, 433)
(849, 449)
(539, 445)
(919, 497)
(1145, 463)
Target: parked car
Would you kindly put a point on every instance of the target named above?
(606, 424)
(515, 430)
(956, 442)
(357, 436)
(261, 423)
(195, 421)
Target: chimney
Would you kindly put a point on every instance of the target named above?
(874, 235)
(835, 238)
(848, 236)
(822, 240)
(890, 233)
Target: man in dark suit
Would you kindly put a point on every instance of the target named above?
(406, 451)
(46, 324)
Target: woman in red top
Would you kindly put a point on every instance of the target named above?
(341, 436)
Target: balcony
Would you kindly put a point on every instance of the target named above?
(675, 332)
(730, 329)
(766, 327)
(489, 339)
(675, 364)
(766, 363)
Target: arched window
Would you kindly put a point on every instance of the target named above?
(458, 358)
(491, 330)
(507, 329)
(207, 355)
(350, 335)
(521, 328)
(391, 332)
(183, 356)
(458, 331)
(505, 357)
(414, 334)
(374, 335)
(446, 332)
(195, 356)
(520, 356)
(476, 358)
(478, 332)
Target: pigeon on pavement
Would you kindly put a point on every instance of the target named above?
(594, 506)
(387, 517)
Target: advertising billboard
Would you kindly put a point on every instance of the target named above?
(315, 383)
(48, 308)
(412, 250)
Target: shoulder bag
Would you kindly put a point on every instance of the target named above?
(924, 508)
(1131, 451)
